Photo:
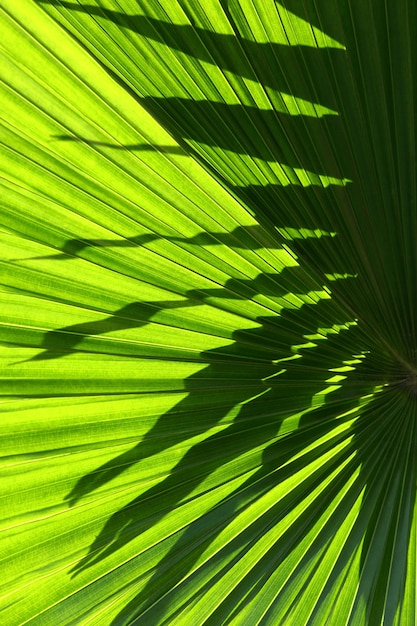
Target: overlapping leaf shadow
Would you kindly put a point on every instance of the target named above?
(295, 141)
(280, 462)
(278, 394)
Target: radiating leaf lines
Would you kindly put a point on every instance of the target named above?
(282, 479)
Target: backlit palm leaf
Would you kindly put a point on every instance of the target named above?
(208, 337)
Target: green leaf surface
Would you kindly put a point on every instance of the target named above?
(207, 329)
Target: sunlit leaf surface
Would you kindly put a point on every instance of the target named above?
(208, 286)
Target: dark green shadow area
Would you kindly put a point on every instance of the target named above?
(320, 145)
(181, 560)
(258, 424)
(361, 140)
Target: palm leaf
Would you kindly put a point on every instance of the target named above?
(208, 338)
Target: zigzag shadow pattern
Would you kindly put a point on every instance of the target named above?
(269, 392)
